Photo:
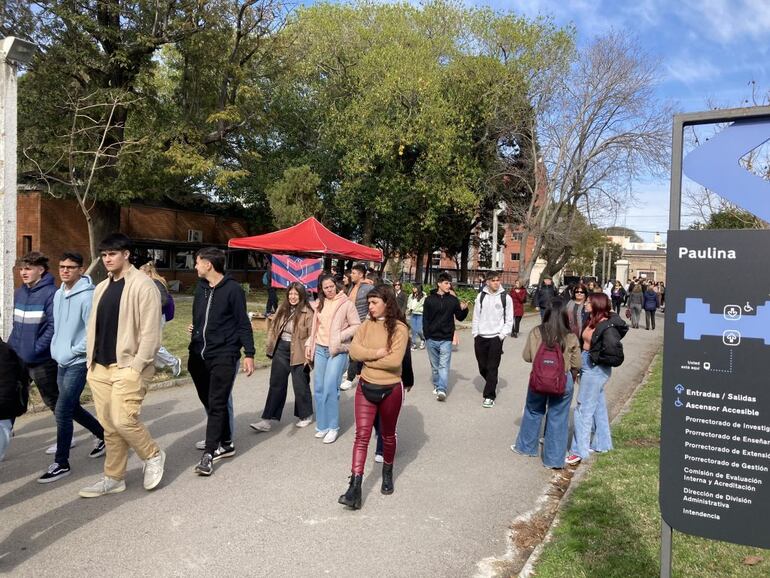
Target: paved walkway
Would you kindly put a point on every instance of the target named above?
(272, 510)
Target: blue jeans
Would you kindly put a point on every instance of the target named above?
(440, 356)
(71, 381)
(591, 410)
(555, 410)
(416, 322)
(328, 372)
(6, 427)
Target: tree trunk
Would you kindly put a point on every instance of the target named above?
(102, 219)
(465, 251)
(419, 266)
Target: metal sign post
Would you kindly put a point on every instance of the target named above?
(715, 415)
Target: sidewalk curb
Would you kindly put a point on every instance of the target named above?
(529, 567)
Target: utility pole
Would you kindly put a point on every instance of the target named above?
(12, 53)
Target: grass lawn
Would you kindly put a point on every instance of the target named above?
(611, 524)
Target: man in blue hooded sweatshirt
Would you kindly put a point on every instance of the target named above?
(33, 325)
(71, 308)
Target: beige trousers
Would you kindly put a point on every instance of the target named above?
(118, 396)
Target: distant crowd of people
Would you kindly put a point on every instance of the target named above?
(356, 333)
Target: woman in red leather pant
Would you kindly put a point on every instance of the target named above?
(380, 343)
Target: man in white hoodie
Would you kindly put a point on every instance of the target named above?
(492, 321)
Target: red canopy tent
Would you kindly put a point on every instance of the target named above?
(307, 239)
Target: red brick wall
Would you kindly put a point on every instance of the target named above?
(57, 225)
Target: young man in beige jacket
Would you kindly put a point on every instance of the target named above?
(123, 336)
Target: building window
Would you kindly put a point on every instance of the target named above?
(184, 260)
(159, 257)
(436, 262)
(26, 244)
(516, 236)
(515, 256)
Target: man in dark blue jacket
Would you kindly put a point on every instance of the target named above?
(220, 329)
(33, 326)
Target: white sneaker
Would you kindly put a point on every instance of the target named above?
(176, 368)
(304, 422)
(321, 434)
(153, 470)
(51, 450)
(201, 445)
(331, 436)
(441, 395)
(346, 385)
(378, 458)
(261, 425)
(103, 487)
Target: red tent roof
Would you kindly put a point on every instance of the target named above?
(308, 239)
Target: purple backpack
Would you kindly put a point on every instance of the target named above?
(168, 309)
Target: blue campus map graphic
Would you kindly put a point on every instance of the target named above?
(734, 323)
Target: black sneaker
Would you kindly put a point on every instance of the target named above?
(224, 451)
(55, 471)
(206, 466)
(98, 450)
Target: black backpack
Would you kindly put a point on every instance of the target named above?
(502, 298)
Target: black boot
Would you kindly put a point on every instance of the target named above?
(387, 479)
(352, 498)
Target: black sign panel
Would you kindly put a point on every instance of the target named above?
(715, 431)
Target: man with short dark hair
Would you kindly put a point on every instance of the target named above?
(123, 337)
(71, 309)
(220, 329)
(492, 321)
(438, 316)
(360, 285)
(33, 327)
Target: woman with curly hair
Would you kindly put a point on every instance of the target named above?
(380, 343)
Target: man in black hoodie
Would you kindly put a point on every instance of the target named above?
(438, 318)
(220, 328)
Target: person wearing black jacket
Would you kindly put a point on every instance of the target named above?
(220, 329)
(544, 295)
(602, 350)
(438, 316)
(14, 393)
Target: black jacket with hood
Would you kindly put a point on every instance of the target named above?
(606, 348)
(221, 325)
(14, 384)
(439, 314)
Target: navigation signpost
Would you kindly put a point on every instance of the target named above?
(715, 418)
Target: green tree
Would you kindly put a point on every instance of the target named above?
(295, 197)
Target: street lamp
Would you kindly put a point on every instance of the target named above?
(13, 52)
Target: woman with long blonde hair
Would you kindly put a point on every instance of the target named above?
(163, 358)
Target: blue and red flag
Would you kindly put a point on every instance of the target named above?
(287, 269)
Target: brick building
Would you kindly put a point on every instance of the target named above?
(170, 237)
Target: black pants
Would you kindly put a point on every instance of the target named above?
(616, 305)
(213, 379)
(279, 384)
(516, 324)
(354, 368)
(272, 300)
(649, 318)
(44, 375)
(488, 352)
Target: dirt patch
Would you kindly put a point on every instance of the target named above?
(529, 530)
(643, 442)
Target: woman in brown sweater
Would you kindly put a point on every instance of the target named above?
(288, 331)
(380, 343)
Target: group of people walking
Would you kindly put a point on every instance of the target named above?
(355, 334)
